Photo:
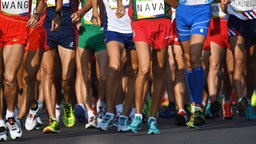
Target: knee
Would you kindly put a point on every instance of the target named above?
(10, 82)
(113, 71)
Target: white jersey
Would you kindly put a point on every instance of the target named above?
(194, 2)
(111, 22)
(243, 9)
(216, 10)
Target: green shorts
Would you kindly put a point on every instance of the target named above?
(91, 37)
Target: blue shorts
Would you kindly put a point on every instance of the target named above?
(245, 28)
(67, 35)
(125, 39)
(192, 19)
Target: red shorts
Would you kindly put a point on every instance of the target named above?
(37, 39)
(217, 33)
(157, 33)
(12, 31)
(175, 36)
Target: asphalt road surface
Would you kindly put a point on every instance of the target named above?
(217, 131)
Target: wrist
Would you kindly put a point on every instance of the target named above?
(81, 11)
(58, 13)
(37, 16)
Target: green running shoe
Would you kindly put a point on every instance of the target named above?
(135, 125)
(52, 127)
(69, 117)
(197, 119)
(152, 126)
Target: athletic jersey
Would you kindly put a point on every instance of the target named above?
(65, 3)
(194, 2)
(244, 10)
(17, 9)
(111, 22)
(148, 9)
(216, 11)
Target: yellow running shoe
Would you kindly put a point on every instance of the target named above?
(52, 127)
(68, 117)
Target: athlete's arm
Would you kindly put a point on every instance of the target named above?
(56, 21)
(172, 3)
(95, 13)
(80, 13)
(224, 5)
(120, 11)
(33, 21)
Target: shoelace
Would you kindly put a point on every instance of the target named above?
(122, 121)
(67, 110)
(11, 125)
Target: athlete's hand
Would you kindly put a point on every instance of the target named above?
(33, 21)
(76, 17)
(120, 11)
(95, 17)
(55, 24)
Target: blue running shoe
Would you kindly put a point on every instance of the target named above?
(170, 112)
(79, 113)
(152, 126)
(107, 122)
(135, 125)
(207, 111)
(249, 113)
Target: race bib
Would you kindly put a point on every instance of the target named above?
(51, 3)
(150, 9)
(243, 5)
(113, 3)
(15, 7)
(216, 11)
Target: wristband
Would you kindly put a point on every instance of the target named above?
(59, 13)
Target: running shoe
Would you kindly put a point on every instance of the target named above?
(212, 110)
(31, 119)
(241, 107)
(68, 118)
(52, 127)
(135, 125)
(79, 113)
(181, 118)
(58, 113)
(91, 122)
(249, 113)
(227, 111)
(197, 119)
(13, 128)
(107, 122)
(169, 112)
(152, 126)
(122, 123)
(39, 123)
(116, 118)
(3, 133)
(215, 108)
(100, 114)
(207, 111)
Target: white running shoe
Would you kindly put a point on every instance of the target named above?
(13, 128)
(58, 113)
(31, 120)
(3, 133)
(122, 123)
(91, 122)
